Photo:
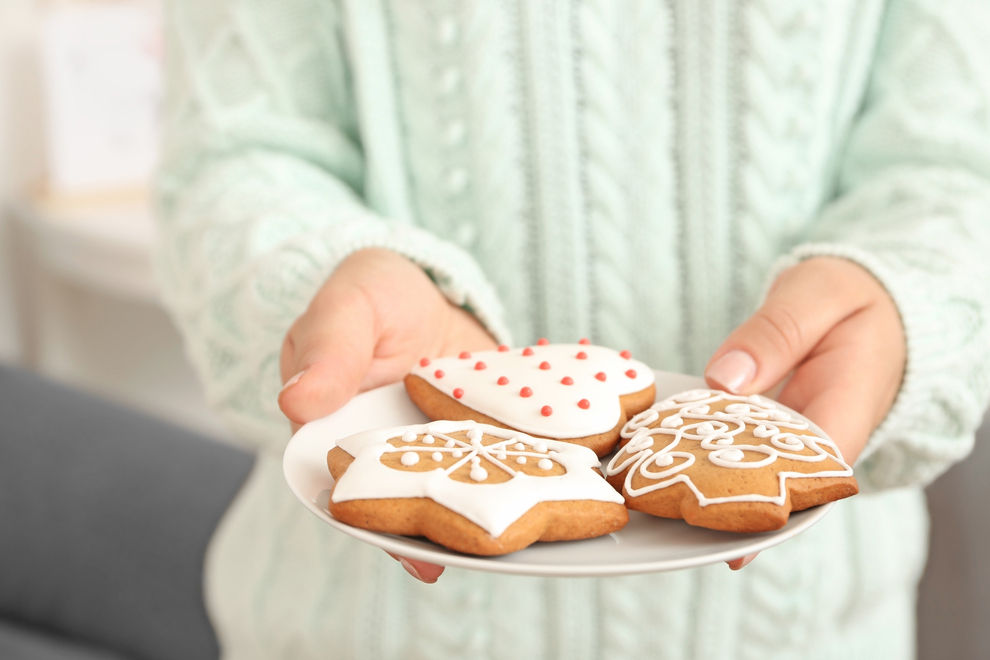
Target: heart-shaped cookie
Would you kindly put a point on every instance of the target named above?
(580, 393)
(471, 487)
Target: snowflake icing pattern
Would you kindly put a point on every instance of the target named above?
(473, 455)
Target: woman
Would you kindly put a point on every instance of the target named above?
(376, 181)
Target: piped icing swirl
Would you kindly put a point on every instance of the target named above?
(668, 440)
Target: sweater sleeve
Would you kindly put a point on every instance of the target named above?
(259, 194)
(914, 209)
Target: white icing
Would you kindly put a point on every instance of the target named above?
(787, 443)
(482, 392)
(644, 418)
(493, 506)
(651, 450)
(734, 455)
(736, 458)
(640, 442)
(764, 431)
(437, 456)
(689, 396)
(410, 458)
(408, 436)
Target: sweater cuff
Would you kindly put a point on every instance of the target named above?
(930, 424)
(453, 271)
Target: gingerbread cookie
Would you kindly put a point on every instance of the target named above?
(735, 463)
(471, 487)
(574, 392)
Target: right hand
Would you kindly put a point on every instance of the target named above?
(374, 317)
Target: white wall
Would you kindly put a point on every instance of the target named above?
(21, 145)
(108, 336)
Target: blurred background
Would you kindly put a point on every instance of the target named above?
(80, 85)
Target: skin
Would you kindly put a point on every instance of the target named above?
(828, 337)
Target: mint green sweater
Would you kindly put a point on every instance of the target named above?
(634, 172)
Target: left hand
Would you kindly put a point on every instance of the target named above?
(829, 335)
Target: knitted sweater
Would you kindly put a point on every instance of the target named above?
(634, 172)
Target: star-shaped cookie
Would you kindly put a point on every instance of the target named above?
(471, 487)
(735, 463)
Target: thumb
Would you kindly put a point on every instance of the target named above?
(804, 303)
(325, 356)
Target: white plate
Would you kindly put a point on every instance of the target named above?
(647, 544)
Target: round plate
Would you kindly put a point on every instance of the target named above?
(647, 544)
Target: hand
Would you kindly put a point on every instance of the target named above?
(829, 335)
(376, 315)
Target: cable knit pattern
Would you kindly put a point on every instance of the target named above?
(634, 171)
(780, 58)
(625, 87)
(490, 49)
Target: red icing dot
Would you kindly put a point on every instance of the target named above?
(546, 411)
(600, 375)
(581, 355)
(502, 380)
(502, 348)
(424, 362)
(464, 355)
(566, 380)
(544, 365)
(527, 351)
(479, 365)
(626, 354)
(631, 373)
(543, 341)
(584, 404)
(458, 393)
(584, 341)
(438, 373)
(525, 392)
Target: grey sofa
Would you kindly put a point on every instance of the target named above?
(105, 515)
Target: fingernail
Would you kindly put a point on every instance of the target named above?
(732, 371)
(741, 562)
(292, 381)
(406, 564)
